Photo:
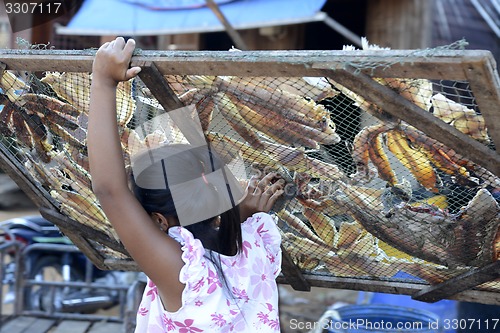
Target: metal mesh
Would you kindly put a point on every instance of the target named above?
(364, 197)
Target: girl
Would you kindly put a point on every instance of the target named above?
(217, 275)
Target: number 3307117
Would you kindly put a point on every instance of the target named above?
(32, 8)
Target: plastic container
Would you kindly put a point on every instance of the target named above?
(446, 310)
(380, 319)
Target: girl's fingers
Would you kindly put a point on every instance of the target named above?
(119, 42)
(252, 184)
(268, 200)
(267, 180)
(104, 46)
(129, 47)
(272, 193)
(274, 197)
(131, 72)
(276, 186)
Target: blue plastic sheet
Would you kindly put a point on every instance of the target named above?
(146, 17)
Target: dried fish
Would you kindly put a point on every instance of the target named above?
(11, 85)
(432, 234)
(45, 106)
(459, 116)
(74, 88)
(273, 126)
(361, 148)
(381, 161)
(205, 108)
(237, 122)
(230, 148)
(322, 225)
(296, 160)
(413, 159)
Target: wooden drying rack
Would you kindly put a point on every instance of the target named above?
(349, 68)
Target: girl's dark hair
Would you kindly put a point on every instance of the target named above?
(187, 163)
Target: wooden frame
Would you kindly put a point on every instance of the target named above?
(352, 69)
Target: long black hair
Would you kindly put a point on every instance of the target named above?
(189, 168)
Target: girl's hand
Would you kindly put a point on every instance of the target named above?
(112, 62)
(261, 195)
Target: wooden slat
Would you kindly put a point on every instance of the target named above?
(466, 281)
(158, 86)
(442, 64)
(292, 273)
(123, 265)
(402, 64)
(365, 284)
(90, 252)
(69, 224)
(103, 327)
(161, 90)
(400, 108)
(17, 325)
(391, 287)
(72, 326)
(485, 87)
(28, 325)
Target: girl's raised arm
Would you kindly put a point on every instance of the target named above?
(106, 159)
(158, 255)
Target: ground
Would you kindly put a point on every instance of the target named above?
(299, 310)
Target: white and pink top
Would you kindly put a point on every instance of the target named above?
(252, 305)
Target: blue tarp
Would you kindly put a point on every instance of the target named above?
(174, 4)
(147, 17)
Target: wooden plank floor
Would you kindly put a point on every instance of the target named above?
(25, 324)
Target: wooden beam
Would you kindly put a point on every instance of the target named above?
(161, 90)
(365, 284)
(485, 87)
(400, 108)
(124, 265)
(391, 287)
(453, 286)
(69, 224)
(90, 252)
(158, 86)
(292, 273)
(438, 65)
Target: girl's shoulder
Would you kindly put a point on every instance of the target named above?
(263, 225)
(192, 253)
(260, 218)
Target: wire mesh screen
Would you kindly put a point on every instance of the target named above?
(367, 195)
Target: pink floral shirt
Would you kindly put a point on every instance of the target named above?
(206, 307)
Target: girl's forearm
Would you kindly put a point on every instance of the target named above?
(104, 147)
